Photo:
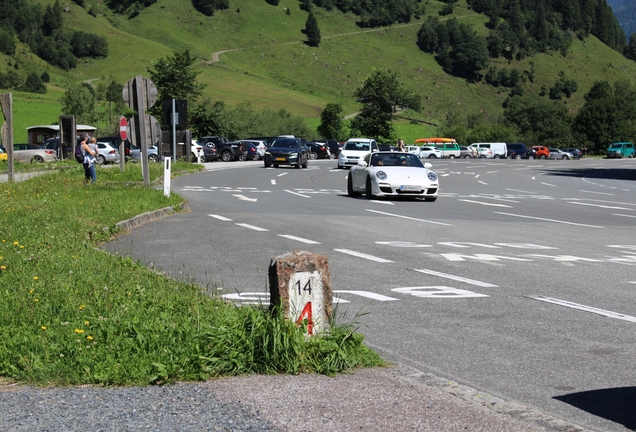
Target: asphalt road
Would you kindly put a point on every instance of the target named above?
(519, 280)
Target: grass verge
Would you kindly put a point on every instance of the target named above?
(71, 313)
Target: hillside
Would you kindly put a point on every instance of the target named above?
(264, 61)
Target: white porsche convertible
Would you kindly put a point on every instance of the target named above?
(393, 174)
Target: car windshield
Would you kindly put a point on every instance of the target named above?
(285, 143)
(396, 159)
(616, 146)
(356, 146)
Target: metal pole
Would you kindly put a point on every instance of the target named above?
(174, 131)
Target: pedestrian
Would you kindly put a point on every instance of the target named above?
(584, 150)
(89, 150)
(400, 145)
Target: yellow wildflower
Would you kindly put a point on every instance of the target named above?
(21, 246)
(43, 327)
(31, 291)
(15, 243)
(81, 307)
(79, 331)
(35, 278)
(86, 323)
(36, 300)
(89, 337)
(3, 267)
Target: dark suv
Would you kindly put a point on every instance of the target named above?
(287, 151)
(226, 150)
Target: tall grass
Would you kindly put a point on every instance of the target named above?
(71, 313)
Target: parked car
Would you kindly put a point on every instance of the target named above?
(287, 151)
(334, 147)
(153, 154)
(3, 153)
(620, 150)
(106, 153)
(541, 152)
(498, 150)
(556, 153)
(268, 140)
(428, 152)
(227, 150)
(115, 141)
(251, 151)
(484, 153)
(575, 152)
(33, 153)
(516, 150)
(54, 144)
(392, 174)
(467, 152)
(319, 150)
(261, 146)
(209, 152)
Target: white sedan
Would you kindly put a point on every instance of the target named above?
(393, 174)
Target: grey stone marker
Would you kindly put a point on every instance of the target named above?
(300, 285)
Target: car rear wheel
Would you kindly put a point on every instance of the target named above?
(227, 156)
(542, 157)
(432, 156)
(350, 190)
(467, 156)
(313, 156)
(101, 160)
(37, 159)
(256, 157)
(451, 156)
(565, 157)
(531, 157)
(154, 158)
(482, 157)
(369, 189)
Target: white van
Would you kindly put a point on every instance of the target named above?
(499, 150)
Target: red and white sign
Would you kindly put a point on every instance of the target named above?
(122, 128)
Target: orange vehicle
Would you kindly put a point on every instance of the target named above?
(541, 152)
(448, 146)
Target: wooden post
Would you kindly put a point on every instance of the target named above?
(6, 103)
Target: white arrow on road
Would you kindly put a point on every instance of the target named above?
(244, 198)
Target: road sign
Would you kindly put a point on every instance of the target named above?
(123, 134)
(138, 92)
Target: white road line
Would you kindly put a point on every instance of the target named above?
(247, 188)
(549, 220)
(592, 192)
(273, 181)
(601, 206)
(484, 183)
(195, 187)
(291, 237)
(408, 217)
(456, 278)
(220, 217)
(365, 256)
(244, 198)
(295, 193)
(618, 214)
(486, 204)
(498, 198)
(591, 309)
(255, 228)
(491, 172)
(517, 190)
(477, 176)
(369, 294)
(548, 184)
(283, 174)
(382, 202)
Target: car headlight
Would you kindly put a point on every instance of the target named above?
(432, 176)
(341, 156)
(381, 175)
(293, 155)
(268, 153)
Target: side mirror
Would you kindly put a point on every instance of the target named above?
(362, 163)
(427, 165)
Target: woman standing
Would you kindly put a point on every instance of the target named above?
(89, 151)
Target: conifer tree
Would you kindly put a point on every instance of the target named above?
(312, 31)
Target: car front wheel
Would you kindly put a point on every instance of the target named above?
(154, 158)
(369, 188)
(37, 159)
(542, 157)
(432, 156)
(314, 156)
(467, 157)
(101, 160)
(226, 156)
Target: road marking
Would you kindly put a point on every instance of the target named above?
(403, 244)
(564, 258)
(486, 204)
(484, 183)
(283, 174)
(618, 214)
(480, 257)
(598, 205)
(291, 237)
(220, 217)
(548, 184)
(491, 172)
(408, 217)
(549, 220)
(467, 245)
(456, 278)
(522, 191)
(273, 181)
(369, 294)
(498, 198)
(244, 198)
(255, 228)
(248, 297)
(477, 176)
(600, 193)
(591, 309)
(365, 256)
(438, 292)
(296, 193)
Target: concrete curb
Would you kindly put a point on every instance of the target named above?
(130, 224)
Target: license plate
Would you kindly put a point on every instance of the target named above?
(409, 188)
(280, 159)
